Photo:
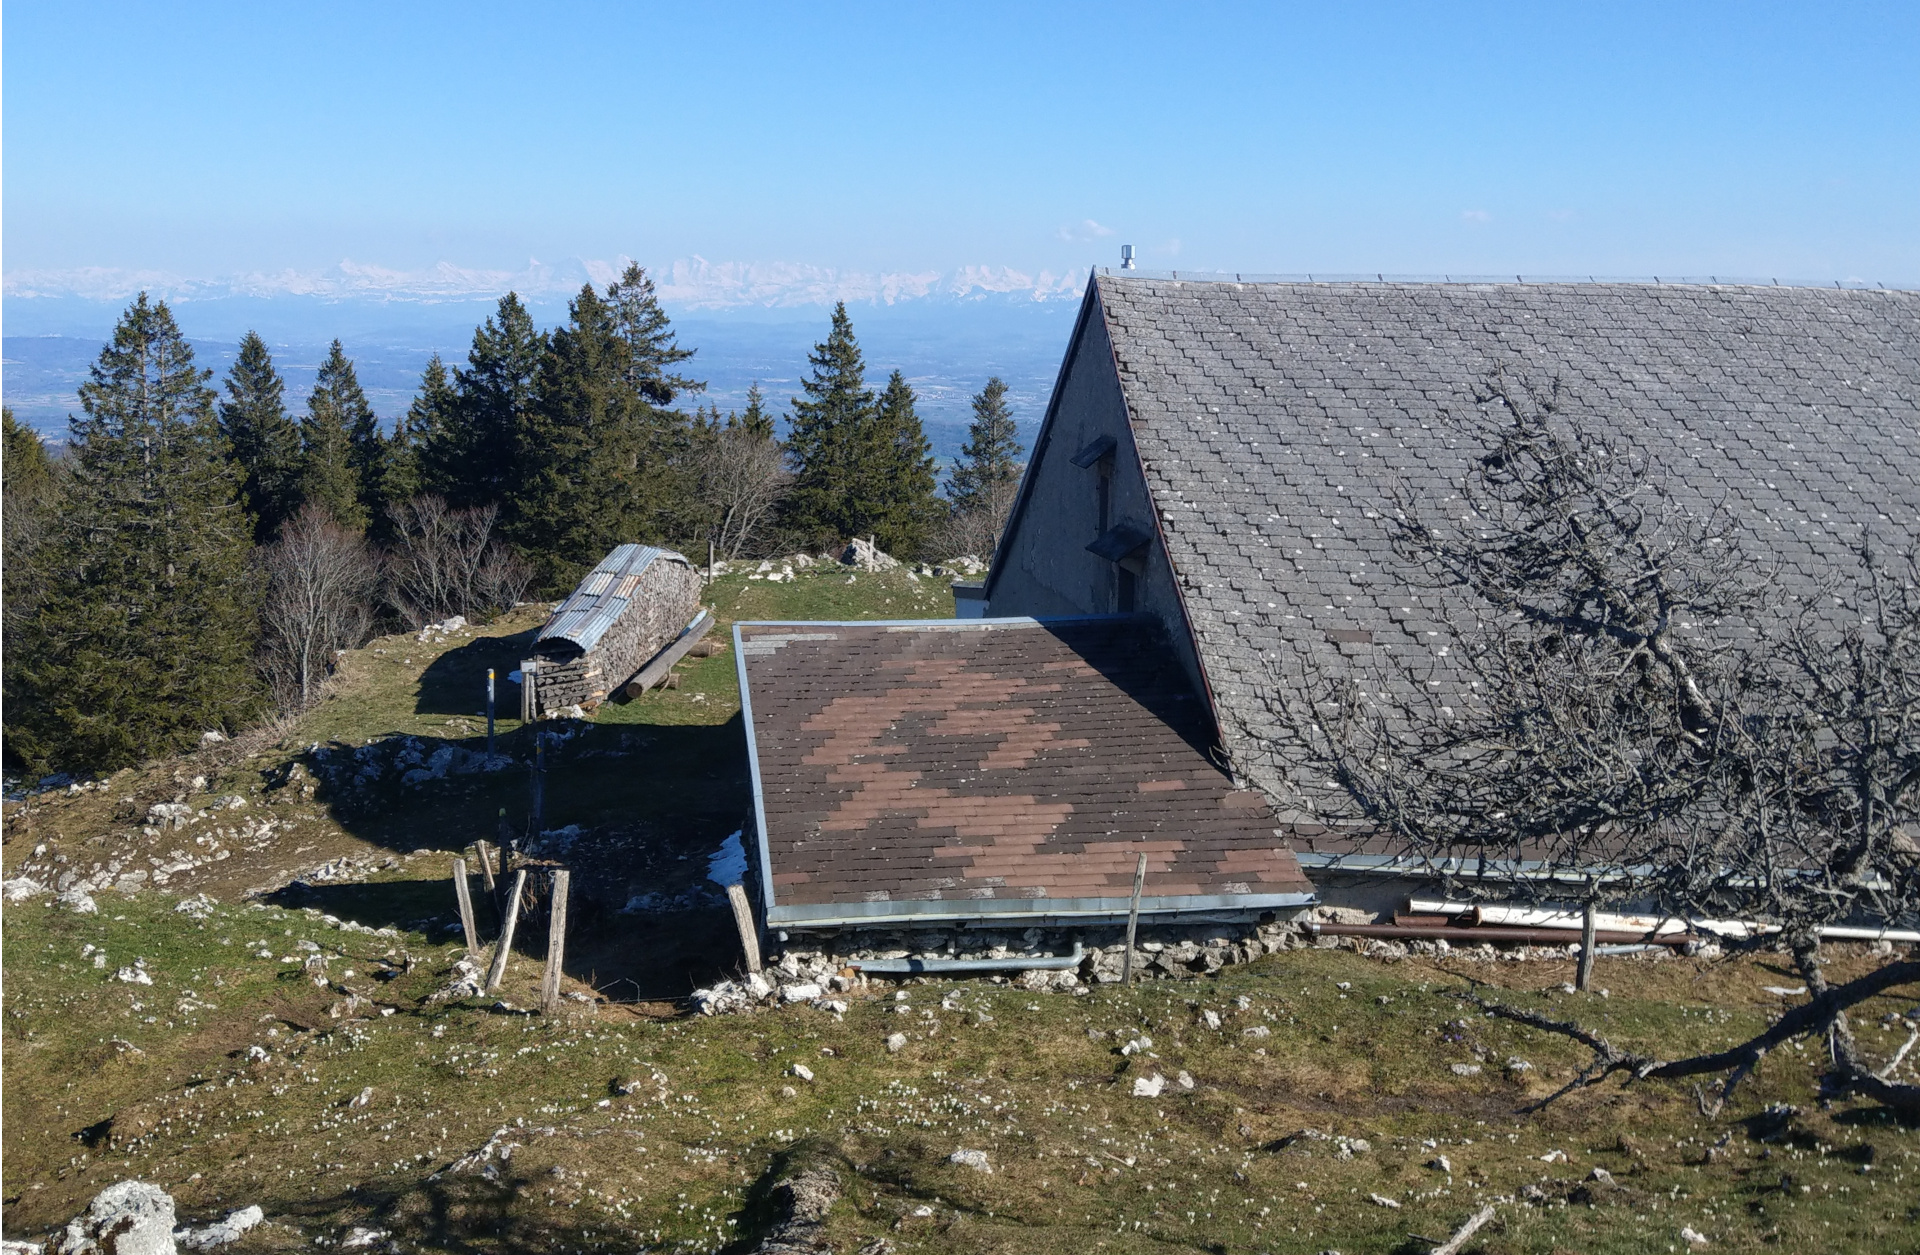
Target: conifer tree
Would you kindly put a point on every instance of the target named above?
(580, 449)
(651, 347)
(755, 418)
(421, 435)
(261, 438)
(145, 632)
(469, 461)
(988, 469)
(822, 438)
(29, 498)
(861, 466)
(342, 454)
(895, 473)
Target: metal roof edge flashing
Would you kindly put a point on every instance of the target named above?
(1381, 278)
(753, 774)
(998, 912)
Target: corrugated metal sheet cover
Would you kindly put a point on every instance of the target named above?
(603, 596)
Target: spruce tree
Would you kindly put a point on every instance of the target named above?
(822, 438)
(29, 501)
(895, 473)
(988, 470)
(261, 438)
(470, 460)
(146, 629)
(755, 418)
(420, 435)
(580, 453)
(651, 347)
(341, 451)
(861, 467)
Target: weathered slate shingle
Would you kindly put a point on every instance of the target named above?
(1273, 418)
(992, 762)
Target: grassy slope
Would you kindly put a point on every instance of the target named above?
(106, 1079)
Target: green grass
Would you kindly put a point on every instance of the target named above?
(639, 1129)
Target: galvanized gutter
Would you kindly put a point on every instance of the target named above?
(914, 967)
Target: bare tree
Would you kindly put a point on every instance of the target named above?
(742, 475)
(321, 579)
(1625, 696)
(446, 562)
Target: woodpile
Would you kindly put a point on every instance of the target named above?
(638, 602)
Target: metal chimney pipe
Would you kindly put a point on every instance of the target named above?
(1126, 257)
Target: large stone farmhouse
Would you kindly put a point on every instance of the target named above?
(1216, 455)
(1201, 513)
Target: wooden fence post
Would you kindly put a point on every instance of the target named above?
(509, 917)
(1133, 919)
(556, 944)
(743, 920)
(1583, 974)
(486, 868)
(465, 896)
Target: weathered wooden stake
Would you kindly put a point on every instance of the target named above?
(1583, 974)
(461, 892)
(556, 944)
(1133, 919)
(486, 868)
(743, 920)
(504, 946)
(709, 562)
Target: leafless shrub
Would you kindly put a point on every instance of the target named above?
(970, 531)
(741, 475)
(321, 579)
(1625, 696)
(445, 562)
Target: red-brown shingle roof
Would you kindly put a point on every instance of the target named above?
(1003, 768)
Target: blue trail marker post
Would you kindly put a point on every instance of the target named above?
(489, 712)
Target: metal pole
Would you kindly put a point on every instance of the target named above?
(709, 562)
(539, 781)
(489, 712)
(1133, 919)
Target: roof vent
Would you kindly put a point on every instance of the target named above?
(1126, 257)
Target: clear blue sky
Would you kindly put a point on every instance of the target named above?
(1551, 138)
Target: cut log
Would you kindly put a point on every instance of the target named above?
(656, 671)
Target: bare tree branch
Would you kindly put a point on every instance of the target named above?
(321, 579)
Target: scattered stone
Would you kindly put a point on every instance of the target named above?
(171, 814)
(1466, 1069)
(1257, 1031)
(362, 1099)
(802, 1071)
(975, 1159)
(800, 993)
(1440, 1163)
(1137, 1046)
(1211, 1019)
(135, 975)
(896, 1043)
(867, 557)
(220, 1232)
(1601, 1175)
(1184, 1080)
(127, 1218)
(1381, 1200)
(360, 1237)
(211, 737)
(1554, 1156)
(1149, 1086)
(1692, 1238)
(22, 888)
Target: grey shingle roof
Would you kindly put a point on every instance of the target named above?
(1269, 416)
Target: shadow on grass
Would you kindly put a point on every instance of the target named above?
(455, 683)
